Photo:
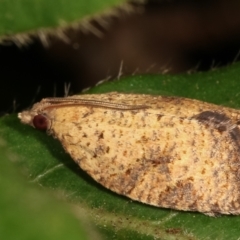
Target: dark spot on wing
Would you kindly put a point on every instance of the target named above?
(210, 116)
(222, 123)
(235, 134)
(101, 136)
(222, 128)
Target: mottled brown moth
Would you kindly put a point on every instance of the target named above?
(169, 152)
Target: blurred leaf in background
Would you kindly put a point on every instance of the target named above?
(155, 37)
(34, 15)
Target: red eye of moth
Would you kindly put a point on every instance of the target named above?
(40, 122)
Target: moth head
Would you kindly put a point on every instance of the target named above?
(36, 117)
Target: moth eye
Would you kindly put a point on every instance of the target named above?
(40, 122)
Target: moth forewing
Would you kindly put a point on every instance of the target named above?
(164, 151)
(61, 102)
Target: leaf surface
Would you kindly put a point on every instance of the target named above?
(30, 15)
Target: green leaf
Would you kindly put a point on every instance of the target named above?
(47, 165)
(28, 212)
(28, 15)
(220, 86)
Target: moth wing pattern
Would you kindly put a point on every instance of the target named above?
(156, 167)
(178, 153)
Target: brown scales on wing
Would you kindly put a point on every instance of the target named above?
(168, 152)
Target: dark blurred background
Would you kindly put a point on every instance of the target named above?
(164, 37)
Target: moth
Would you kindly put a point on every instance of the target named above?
(169, 152)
